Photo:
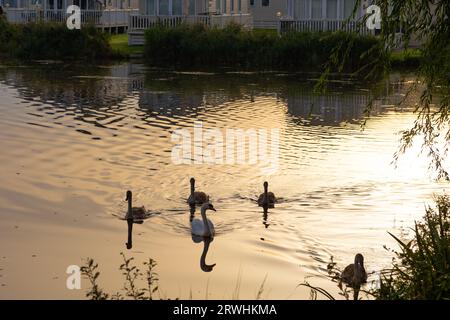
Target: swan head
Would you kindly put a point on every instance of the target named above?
(192, 181)
(128, 197)
(208, 206)
(265, 184)
(359, 260)
(129, 245)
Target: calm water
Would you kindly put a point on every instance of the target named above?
(74, 139)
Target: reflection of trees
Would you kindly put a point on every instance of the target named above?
(100, 97)
(91, 95)
(175, 93)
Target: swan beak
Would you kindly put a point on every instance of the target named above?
(213, 209)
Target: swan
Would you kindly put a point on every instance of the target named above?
(204, 227)
(355, 275)
(266, 199)
(137, 214)
(196, 197)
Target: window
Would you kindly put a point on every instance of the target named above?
(239, 6)
(231, 5)
(301, 9)
(218, 9)
(316, 9)
(177, 7)
(348, 7)
(265, 3)
(164, 7)
(332, 9)
(150, 9)
(252, 2)
(191, 7)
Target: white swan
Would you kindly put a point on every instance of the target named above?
(204, 227)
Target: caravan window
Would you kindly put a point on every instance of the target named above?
(150, 9)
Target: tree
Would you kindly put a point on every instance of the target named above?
(425, 21)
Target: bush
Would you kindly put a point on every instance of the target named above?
(234, 46)
(422, 268)
(52, 41)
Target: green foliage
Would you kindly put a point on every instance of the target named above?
(133, 277)
(52, 41)
(90, 272)
(422, 266)
(234, 46)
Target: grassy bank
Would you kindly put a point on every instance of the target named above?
(233, 46)
(119, 45)
(406, 59)
(52, 41)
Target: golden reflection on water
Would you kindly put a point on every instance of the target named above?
(75, 140)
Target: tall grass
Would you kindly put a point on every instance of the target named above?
(420, 269)
(234, 46)
(52, 41)
(422, 266)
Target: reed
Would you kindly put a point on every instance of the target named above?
(233, 46)
(421, 269)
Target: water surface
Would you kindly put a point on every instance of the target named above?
(74, 139)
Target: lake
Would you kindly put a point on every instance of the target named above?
(75, 138)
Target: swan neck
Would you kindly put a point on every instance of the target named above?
(192, 187)
(130, 210)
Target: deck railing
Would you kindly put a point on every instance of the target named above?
(142, 22)
(100, 18)
(288, 25)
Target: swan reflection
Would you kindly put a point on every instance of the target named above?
(265, 217)
(202, 231)
(206, 242)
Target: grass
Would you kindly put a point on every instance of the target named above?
(421, 270)
(119, 44)
(409, 58)
(143, 284)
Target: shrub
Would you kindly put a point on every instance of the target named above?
(234, 46)
(52, 41)
(422, 268)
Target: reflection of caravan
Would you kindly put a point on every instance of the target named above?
(327, 109)
(304, 15)
(165, 102)
(102, 13)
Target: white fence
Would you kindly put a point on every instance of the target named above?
(286, 25)
(100, 18)
(142, 22)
